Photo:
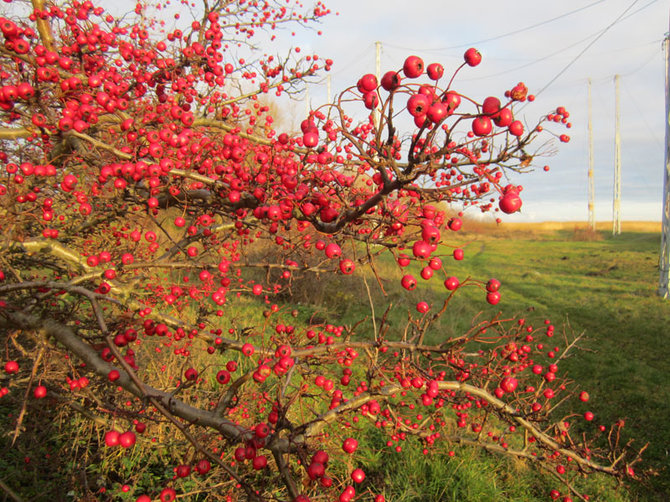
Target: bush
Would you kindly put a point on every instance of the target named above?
(158, 232)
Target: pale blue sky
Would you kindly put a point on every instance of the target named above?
(441, 31)
(531, 41)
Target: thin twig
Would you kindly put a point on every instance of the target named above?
(10, 492)
(372, 306)
(19, 420)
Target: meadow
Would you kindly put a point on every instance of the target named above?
(596, 285)
(605, 288)
(593, 285)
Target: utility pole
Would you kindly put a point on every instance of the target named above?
(592, 191)
(378, 73)
(329, 87)
(616, 218)
(664, 260)
(378, 60)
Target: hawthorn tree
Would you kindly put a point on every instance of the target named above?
(144, 193)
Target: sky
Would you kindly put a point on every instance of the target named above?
(554, 47)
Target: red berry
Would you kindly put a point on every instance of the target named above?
(422, 307)
(413, 67)
(321, 457)
(183, 471)
(516, 128)
(11, 367)
(482, 126)
(316, 470)
(491, 106)
(127, 439)
(350, 445)
(203, 466)
(455, 224)
(472, 57)
(367, 83)
(408, 282)
(391, 81)
(509, 384)
(493, 285)
(112, 438)
(358, 475)
(223, 377)
(347, 266)
(168, 495)
(417, 105)
(510, 202)
(260, 462)
(435, 71)
(451, 283)
(493, 297)
(262, 430)
(333, 250)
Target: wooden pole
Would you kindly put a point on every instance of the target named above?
(378, 72)
(329, 89)
(664, 260)
(378, 60)
(616, 219)
(592, 216)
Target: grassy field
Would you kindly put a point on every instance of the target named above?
(606, 288)
(597, 284)
(601, 285)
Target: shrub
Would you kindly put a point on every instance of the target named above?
(141, 194)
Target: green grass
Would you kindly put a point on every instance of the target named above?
(604, 288)
(466, 475)
(607, 289)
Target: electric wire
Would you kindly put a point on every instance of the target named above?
(589, 45)
(649, 60)
(563, 49)
(535, 61)
(640, 9)
(504, 35)
(641, 115)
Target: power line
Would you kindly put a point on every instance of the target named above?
(641, 114)
(631, 72)
(535, 61)
(508, 34)
(563, 49)
(574, 44)
(638, 10)
(645, 45)
(623, 17)
(352, 60)
(565, 68)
